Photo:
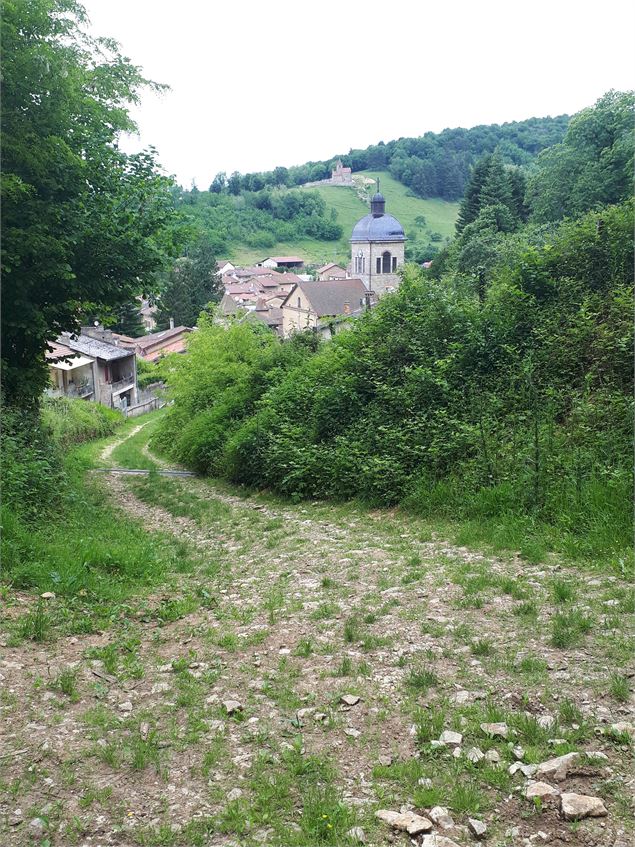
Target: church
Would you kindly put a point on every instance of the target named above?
(377, 248)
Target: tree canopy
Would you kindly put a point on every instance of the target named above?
(85, 226)
(592, 166)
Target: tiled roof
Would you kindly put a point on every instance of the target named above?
(97, 349)
(329, 297)
(328, 267)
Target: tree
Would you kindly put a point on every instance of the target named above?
(592, 166)
(85, 226)
(128, 320)
(233, 183)
(190, 286)
(219, 183)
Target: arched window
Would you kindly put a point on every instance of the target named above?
(299, 303)
(385, 262)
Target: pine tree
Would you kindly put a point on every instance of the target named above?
(129, 320)
(191, 285)
(471, 203)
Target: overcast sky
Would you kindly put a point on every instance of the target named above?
(256, 84)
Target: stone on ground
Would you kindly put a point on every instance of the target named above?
(450, 738)
(577, 806)
(557, 768)
(404, 821)
(496, 730)
(441, 817)
(541, 790)
(477, 828)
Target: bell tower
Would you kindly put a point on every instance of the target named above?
(377, 248)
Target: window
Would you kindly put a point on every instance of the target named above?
(299, 303)
(360, 264)
(385, 262)
(378, 264)
(394, 264)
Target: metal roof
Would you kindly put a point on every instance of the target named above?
(381, 228)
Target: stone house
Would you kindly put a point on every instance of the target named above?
(94, 367)
(331, 271)
(321, 305)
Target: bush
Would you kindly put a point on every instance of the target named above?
(32, 476)
(74, 421)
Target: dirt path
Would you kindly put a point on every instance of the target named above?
(286, 610)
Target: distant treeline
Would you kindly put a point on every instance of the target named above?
(433, 165)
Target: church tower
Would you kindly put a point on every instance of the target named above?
(377, 248)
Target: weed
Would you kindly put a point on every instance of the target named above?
(36, 625)
(352, 631)
(568, 627)
(325, 611)
(66, 682)
(304, 648)
(345, 667)
(619, 688)
(569, 712)
(482, 647)
(562, 591)
(421, 679)
(527, 609)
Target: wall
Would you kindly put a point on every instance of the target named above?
(296, 317)
(379, 283)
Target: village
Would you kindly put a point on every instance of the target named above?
(282, 293)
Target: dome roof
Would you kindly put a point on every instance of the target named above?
(378, 197)
(378, 228)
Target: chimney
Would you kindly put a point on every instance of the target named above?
(171, 323)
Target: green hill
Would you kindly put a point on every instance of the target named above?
(439, 216)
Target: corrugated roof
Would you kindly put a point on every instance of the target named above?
(328, 297)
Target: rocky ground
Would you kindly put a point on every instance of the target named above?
(315, 674)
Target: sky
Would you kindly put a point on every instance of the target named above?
(258, 84)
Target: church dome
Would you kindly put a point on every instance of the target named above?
(378, 228)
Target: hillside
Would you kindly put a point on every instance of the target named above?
(440, 217)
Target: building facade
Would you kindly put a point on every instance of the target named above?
(377, 248)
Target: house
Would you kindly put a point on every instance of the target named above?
(94, 366)
(154, 346)
(331, 271)
(72, 375)
(223, 267)
(288, 262)
(271, 316)
(322, 305)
